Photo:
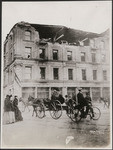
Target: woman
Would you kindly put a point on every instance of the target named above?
(18, 116)
(8, 116)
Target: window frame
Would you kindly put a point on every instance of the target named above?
(43, 53)
(56, 76)
(30, 74)
(70, 74)
(42, 74)
(93, 57)
(69, 57)
(27, 37)
(94, 74)
(105, 75)
(84, 74)
(83, 58)
(54, 54)
(28, 54)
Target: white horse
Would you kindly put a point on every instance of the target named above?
(24, 104)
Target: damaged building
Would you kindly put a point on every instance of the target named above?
(39, 58)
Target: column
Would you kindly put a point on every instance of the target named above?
(49, 92)
(101, 95)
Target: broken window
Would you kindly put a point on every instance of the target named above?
(27, 52)
(83, 74)
(55, 73)
(82, 56)
(55, 54)
(94, 74)
(42, 53)
(42, 72)
(27, 35)
(69, 55)
(70, 74)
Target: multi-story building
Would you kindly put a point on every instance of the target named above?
(38, 58)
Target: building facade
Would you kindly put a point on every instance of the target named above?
(39, 58)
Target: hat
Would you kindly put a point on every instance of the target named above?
(79, 89)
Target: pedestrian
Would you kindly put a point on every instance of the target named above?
(18, 116)
(8, 116)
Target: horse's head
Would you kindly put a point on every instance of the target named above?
(30, 98)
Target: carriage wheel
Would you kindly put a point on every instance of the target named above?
(75, 115)
(55, 109)
(97, 113)
(40, 110)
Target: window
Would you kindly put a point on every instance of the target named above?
(92, 43)
(82, 56)
(55, 54)
(70, 74)
(83, 74)
(27, 35)
(55, 73)
(28, 72)
(27, 52)
(43, 92)
(26, 91)
(102, 45)
(42, 53)
(103, 58)
(42, 72)
(94, 74)
(93, 57)
(104, 75)
(69, 55)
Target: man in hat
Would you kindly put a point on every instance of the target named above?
(81, 102)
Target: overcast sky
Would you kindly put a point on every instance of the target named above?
(92, 16)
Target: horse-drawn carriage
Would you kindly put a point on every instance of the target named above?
(40, 106)
(56, 105)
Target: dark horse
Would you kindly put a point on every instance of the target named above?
(35, 102)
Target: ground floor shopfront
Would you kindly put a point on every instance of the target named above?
(45, 90)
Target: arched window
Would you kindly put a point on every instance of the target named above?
(27, 35)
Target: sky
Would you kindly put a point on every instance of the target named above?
(91, 16)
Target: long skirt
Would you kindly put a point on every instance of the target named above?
(8, 117)
(18, 115)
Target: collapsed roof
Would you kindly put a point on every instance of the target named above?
(58, 33)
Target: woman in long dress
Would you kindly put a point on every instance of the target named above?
(18, 116)
(8, 116)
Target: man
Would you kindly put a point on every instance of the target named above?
(81, 102)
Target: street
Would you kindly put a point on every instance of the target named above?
(34, 132)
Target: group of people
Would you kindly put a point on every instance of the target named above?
(11, 111)
(80, 102)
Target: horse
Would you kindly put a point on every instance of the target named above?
(25, 104)
(35, 102)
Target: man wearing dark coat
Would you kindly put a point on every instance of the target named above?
(81, 102)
